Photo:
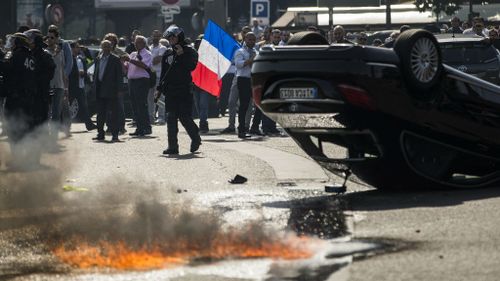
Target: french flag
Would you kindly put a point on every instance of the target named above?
(214, 58)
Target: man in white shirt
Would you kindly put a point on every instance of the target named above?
(243, 60)
(157, 51)
(477, 28)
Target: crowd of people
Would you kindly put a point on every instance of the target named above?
(42, 72)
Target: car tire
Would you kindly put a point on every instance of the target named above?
(307, 38)
(74, 109)
(420, 61)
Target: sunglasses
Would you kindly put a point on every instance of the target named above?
(478, 26)
(51, 37)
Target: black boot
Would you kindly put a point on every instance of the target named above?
(171, 151)
(195, 145)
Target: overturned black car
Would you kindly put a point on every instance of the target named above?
(403, 118)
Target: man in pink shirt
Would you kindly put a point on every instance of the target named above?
(138, 84)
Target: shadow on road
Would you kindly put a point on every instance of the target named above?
(374, 200)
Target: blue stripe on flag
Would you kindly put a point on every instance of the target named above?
(222, 41)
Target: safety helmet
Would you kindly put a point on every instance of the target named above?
(173, 30)
(21, 40)
(36, 37)
(32, 34)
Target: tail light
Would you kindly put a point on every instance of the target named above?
(357, 96)
(257, 94)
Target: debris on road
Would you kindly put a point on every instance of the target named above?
(238, 179)
(74, 188)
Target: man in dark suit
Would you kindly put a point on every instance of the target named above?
(107, 80)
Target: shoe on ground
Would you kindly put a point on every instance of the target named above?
(90, 126)
(137, 134)
(115, 139)
(148, 132)
(244, 135)
(228, 130)
(272, 133)
(99, 137)
(171, 151)
(160, 122)
(256, 131)
(195, 145)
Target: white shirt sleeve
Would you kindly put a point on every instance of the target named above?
(79, 63)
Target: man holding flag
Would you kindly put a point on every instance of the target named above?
(215, 54)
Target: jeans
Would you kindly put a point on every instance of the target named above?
(201, 102)
(139, 89)
(56, 112)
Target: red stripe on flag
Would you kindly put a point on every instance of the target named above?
(206, 80)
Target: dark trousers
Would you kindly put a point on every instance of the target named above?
(139, 89)
(227, 81)
(121, 112)
(245, 95)
(108, 108)
(268, 125)
(187, 122)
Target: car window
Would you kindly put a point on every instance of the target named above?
(473, 52)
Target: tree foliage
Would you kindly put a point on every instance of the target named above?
(439, 6)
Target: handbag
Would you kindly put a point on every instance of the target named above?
(152, 78)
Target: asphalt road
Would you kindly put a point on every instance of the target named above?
(92, 189)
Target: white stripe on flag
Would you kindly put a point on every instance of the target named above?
(212, 59)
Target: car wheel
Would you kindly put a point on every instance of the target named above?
(307, 38)
(420, 61)
(73, 109)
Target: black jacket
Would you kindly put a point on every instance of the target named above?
(2, 84)
(44, 71)
(176, 70)
(112, 79)
(20, 74)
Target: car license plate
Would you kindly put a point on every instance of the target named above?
(298, 93)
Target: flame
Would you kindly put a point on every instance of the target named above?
(120, 255)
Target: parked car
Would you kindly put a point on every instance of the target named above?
(471, 55)
(405, 119)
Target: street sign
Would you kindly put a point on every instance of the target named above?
(260, 10)
(348, 3)
(168, 18)
(54, 14)
(171, 9)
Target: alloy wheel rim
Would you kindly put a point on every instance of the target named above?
(73, 109)
(424, 60)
